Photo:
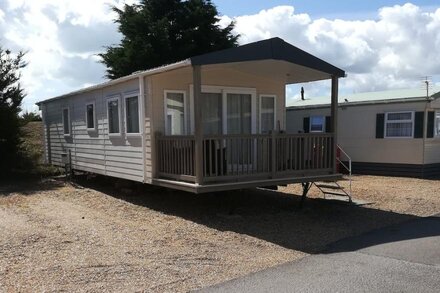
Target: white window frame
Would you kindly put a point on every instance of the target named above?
(274, 97)
(225, 90)
(127, 96)
(185, 109)
(94, 116)
(436, 128)
(397, 121)
(69, 123)
(109, 99)
(323, 124)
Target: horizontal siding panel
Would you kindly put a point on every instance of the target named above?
(123, 154)
(122, 159)
(89, 165)
(88, 169)
(128, 166)
(124, 171)
(125, 176)
(90, 156)
(96, 143)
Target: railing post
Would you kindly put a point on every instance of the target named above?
(158, 153)
(198, 124)
(274, 156)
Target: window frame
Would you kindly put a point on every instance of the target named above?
(323, 124)
(108, 100)
(386, 121)
(94, 116)
(274, 97)
(127, 96)
(185, 110)
(436, 126)
(69, 122)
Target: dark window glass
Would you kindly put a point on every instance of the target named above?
(90, 116)
(113, 116)
(132, 114)
(66, 125)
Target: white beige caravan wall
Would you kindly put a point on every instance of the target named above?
(94, 151)
(182, 79)
(357, 133)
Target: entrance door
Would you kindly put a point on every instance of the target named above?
(239, 121)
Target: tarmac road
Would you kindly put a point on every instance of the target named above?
(399, 258)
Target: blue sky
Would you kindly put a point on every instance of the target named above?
(345, 9)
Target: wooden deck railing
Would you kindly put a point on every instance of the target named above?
(240, 157)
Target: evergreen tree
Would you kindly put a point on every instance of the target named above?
(157, 32)
(11, 96)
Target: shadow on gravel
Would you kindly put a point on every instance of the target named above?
(268, 215)
(413, 229)
(29, 186)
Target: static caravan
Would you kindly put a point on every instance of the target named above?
(393, 132)
(209, 123)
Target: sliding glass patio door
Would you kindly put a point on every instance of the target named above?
(239, 113)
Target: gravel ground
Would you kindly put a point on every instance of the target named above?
(90, 236)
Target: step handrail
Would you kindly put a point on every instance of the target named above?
(348, 168)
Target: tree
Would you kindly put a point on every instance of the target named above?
(11, 96)
(157, 32)
(27, 117)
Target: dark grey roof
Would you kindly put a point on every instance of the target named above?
(274, 48)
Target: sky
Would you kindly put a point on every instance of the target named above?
(380, 44)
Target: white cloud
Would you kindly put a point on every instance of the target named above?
(392, 51)
(62, 39)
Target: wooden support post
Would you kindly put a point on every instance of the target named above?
(198, 124)
(334, 119)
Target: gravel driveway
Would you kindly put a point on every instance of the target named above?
(90, 236)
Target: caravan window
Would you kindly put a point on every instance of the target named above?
(90, 116)
(267, 113)
(66, 122)
(132, 114)
(175, 113)
(399, 124)
(113, 116)
(317, 124)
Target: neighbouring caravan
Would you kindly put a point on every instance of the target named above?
(394, 132)
(211, 122)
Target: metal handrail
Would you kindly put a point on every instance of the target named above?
(348, 168)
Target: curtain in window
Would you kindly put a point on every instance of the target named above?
(212, 113)
(399, 124)
(239, 113)
(113, 116)
(132, 112)
(267, 114)
(399, 129)
(175, 114)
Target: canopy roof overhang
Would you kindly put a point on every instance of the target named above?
(273, 58)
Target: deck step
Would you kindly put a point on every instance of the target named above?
(336, 193)
(329, 186)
